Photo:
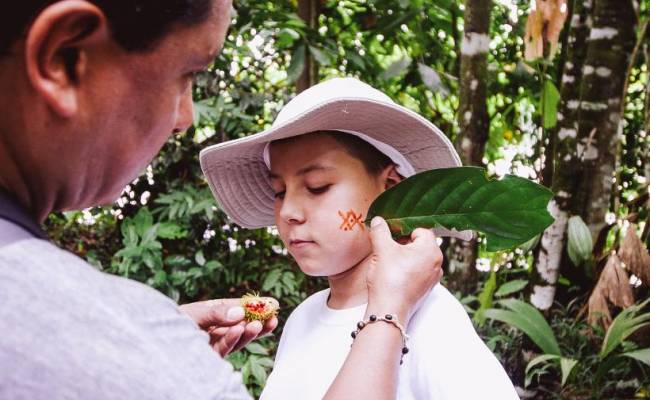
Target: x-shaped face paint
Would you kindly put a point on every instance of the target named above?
(350, 220)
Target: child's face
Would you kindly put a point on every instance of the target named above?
(322, 197)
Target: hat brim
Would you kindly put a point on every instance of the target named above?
(239, 178)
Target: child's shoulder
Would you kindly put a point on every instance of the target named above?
(312, 305)
(442, 312)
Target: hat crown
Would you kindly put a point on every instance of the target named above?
(327, 91)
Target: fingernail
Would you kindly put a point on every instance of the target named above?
(375, 221)
(257, 325)
(235, 313)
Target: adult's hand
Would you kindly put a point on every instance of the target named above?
(400, 275)
(223, 320)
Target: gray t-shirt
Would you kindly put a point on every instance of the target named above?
(69, 331)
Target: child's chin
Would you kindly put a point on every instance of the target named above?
(318, 271)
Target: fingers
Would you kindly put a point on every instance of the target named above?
(251, 332)
(269, 326)
(422, 235)
(225, 344)
(222, 312)
(380, 233)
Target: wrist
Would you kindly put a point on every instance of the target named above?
(401, 310)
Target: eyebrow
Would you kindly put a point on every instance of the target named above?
(305, 170)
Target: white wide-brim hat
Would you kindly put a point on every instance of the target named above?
(238, 171)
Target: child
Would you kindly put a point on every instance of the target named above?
(331, 151)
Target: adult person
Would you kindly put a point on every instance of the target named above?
(89, 92)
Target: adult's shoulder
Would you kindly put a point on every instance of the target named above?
(42, 270)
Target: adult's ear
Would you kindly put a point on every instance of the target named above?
(56, 51)
(390, 176)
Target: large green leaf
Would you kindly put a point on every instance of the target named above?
(642, 355)
(625, 324)
(528, 319)
(509, 211)
(550, 99)
(566, 365)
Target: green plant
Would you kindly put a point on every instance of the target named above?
(613, 352)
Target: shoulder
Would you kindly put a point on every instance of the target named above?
(440, 307)
(446, 349)
(42, 269)
(311, 306)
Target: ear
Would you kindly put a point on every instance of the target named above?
(56, 51)
(390, 177)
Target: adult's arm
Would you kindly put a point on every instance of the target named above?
(398, 279)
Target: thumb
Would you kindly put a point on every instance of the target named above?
(380, 233)
(220, 313)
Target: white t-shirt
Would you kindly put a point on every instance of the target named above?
(447, 359)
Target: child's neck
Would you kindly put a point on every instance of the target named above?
(349, 289)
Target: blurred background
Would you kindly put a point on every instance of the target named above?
(551, 90)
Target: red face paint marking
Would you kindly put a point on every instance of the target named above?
(350, 220)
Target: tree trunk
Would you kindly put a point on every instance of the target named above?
(586, 151)
(549, 252)
(474, 124)
(644, 141)
(308, 11)
(610, 45)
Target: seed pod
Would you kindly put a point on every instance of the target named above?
(580, 244)
(258, 308)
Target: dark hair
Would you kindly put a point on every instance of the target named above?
(373, 160)
(135, 24)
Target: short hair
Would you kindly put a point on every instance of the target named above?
(372, 159)
(136, 25)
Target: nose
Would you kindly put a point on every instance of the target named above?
(291, 211)
(185, 116)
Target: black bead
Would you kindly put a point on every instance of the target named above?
(373, 318)
(389, 317)
(361, 325)
(401, 362)
(354, 334)
(405, 350)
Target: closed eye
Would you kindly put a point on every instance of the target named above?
(280, 195)
(319, 190)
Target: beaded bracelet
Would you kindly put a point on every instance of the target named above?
(391, 319)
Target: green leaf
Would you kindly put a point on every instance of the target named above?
(529, 320)
(321, 56)
(297, 64)
(567, 365)
(509, 211)
(271, 280)
(529, 245)
(257, 370)
(432, 80)
(486, 297)
(642, 355)
(625, 324)
(579, 242)
(170, 230)
(397, 68)
(257, 348)
(550, 99)
(142, 221)
(511, 287)
(199, 258)
(541, 359)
